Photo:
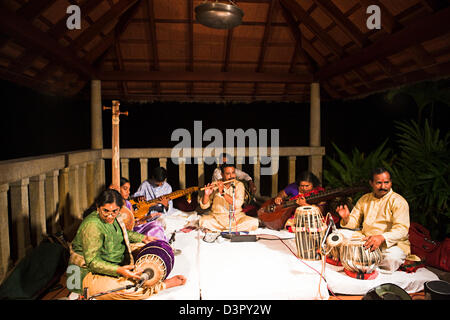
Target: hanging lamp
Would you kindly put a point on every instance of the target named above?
(219, 15)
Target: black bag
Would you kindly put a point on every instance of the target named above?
(38, 271)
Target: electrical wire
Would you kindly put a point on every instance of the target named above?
(319, 273)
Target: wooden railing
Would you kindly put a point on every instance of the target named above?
(48, 194)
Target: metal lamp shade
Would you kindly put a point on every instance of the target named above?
(218, 15)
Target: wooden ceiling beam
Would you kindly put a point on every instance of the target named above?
(33, 9)
(24, 80)
(421, 56)
(32, 37)
(333, 12)
(265, 40)
(57, 31)
(304, 48)
(206, 96)
(313, 26)
(190, 43)
(151, 29)
(388, 21)
(434, 5)
(120, 67)
(406, 78)
(60, 28)
(226, 61)
(94, 56)
(426, 28)
(182, 76)
(116, 11)
(30, 11)
(184, 21)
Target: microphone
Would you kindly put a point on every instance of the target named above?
(147, 274)
(334, 238)
(172, 238)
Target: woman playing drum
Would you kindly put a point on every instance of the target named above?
(101, 248)
(308, 184)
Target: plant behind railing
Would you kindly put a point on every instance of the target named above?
(342, 170)
(422, 175)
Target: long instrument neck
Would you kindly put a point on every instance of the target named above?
(115, 144)
(324, 195)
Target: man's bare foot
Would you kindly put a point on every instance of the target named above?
(175, 281)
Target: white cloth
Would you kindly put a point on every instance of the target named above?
(264, 270)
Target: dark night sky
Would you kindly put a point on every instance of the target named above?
(36, 124)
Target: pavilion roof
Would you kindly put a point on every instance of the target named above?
(155, 50)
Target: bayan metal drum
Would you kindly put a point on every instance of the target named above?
(359, 262)
(309, 231)
(157, 259)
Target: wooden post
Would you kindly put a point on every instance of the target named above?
(163, 163)
(64, 200)
(74, 194)
(182, 173)
(51, 201)
(144, 169)
(257, 175)
(315, 162)
(274, 163)
(20, 213)
(201, 172)
(90, 182)
(5, 250)
(125, 165)
(82, 187)
(37, 209)
(96, 115)
(100, 175)
(292, 160)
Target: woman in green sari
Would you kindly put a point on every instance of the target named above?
(101, 248)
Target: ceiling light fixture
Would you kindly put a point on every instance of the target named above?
(219, 15)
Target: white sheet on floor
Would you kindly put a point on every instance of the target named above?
(262, 270)
(186, 263)
(340, 283)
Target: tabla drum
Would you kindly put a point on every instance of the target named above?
(359, 262)
(334, 242)
(309, 232)
(158, 257)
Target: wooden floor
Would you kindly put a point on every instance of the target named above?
(59, 291)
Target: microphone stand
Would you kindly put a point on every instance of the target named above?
(330, 226)
(108, 292)
(232, 206)
(231, 210)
